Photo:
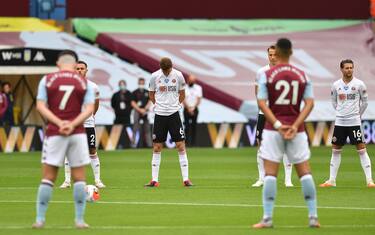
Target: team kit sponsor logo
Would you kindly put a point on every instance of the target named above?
(225, 135)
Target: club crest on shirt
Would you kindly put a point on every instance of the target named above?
(174, 80)
(353, 88)
(342, 96)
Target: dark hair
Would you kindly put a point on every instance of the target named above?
(346, 61)
(165, 63)
(272, 47)
(3, 84)
(121, 81)
(284, 46)
(82, 62)
(141, 79)
(68, 52)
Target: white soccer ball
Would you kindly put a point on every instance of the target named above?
(92, 193)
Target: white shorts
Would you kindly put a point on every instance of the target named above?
(273, 147)
(73, 147)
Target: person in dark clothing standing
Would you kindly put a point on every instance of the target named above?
(193, 94)
(141, 104)
(8, 115)
(121, 104)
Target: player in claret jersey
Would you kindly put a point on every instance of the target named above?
(260, 126)
(66, 101)
(349, 99)
(284, 87)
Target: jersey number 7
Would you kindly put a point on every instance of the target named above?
(67, 89)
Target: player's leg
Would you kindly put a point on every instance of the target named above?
(272, 148)
(259, 131)
(53, 155)
(95, 162)
(67, 172)
(136, 128)
(44, 194)
(79, 195)
(159, 136)
(338, 141)
(177, 132)
(356, 138)
(78, 157)
(309, 192)
(298, 152)
(288, 168)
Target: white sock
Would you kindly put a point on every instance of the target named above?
(335, 164)
(155, 163)
(366, 164)
(95, 165)
(184, 164)
(260, 166)
(288, 167)
(67, 171)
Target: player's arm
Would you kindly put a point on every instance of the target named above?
(97, 97)
(363, 99)
(334, 96)
(308, 98)
(262, 98)
(181, 88)
(181, 95)
(151, 94)
(96, 106)
(42, 107)
(88, 108)
(152, 89)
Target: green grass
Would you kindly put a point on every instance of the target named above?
(222, 202)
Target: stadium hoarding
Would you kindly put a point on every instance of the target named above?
(226, 63)
(213, 135)
(104, 69)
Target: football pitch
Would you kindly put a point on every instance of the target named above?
(221, 202)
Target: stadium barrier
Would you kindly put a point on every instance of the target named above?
(225, 135)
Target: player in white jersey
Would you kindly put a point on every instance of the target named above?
(349, 99)
(167, 92)
(260, 126)
(89, 125)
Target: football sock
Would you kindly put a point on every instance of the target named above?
(184, 164)
(67, 171)
(260, 166)
(335, 164)
(155, 164)
(43, 197)
(366, 163)
(288, 167)
(79, 200)
(95, 165)
(269, 194)
(309, 192)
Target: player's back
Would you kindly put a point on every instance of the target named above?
(65, 95)
(286, 86)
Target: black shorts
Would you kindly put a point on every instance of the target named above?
(341, 133)
(91, 137)
(260, 126)
(165, 124)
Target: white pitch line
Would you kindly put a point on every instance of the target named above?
(118, 227)
(198, 204)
